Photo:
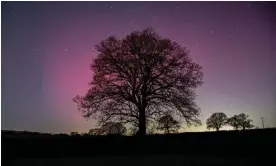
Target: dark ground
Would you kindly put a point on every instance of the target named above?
(251, 147)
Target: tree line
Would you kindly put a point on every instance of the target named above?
(218, 120)
(167, 124)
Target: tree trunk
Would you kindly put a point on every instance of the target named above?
(142, 122)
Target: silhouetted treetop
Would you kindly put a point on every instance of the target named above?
(240, 121)
(216, 121)
(141, 76)
(245, 122)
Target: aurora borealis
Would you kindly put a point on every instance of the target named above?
(47, 48)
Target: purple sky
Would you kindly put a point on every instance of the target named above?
(47, 48)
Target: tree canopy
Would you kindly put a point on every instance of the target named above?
(216, 121)
(141, 77)
(240, 121)
(245, 122)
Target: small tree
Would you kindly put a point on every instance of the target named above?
(168, 124)
(96, 131)
(240, 121)
(113, 128)
(245, 123)
(216, 121)
(234, 122)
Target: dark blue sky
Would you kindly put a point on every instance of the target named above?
(47, 48)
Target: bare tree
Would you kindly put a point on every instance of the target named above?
(140, 77)
(216, 121)
(168, 124)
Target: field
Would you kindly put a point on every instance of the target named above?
(206, 148)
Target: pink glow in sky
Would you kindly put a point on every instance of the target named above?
(48, 48)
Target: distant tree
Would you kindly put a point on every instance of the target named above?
(245, 122)
(96, 131)
(84, 134)
(113, 128)
(240, 121)
(74, 134)
(61, 134)
(168, 124)
(140, 77)
(234, 122)
(216, 121)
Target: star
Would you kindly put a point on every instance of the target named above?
(110, 7)
(33, 49)
(229, 34)
(213, 31)
(231, 105)
(65, 49)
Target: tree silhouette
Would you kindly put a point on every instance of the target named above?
(245, 123)
(168, 124)
(96, 131)
(216, 121)
(234, 122)
(140, 77)
(240, 121)
(74, 134)
(113, 128)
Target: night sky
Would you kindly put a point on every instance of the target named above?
(47, 47)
